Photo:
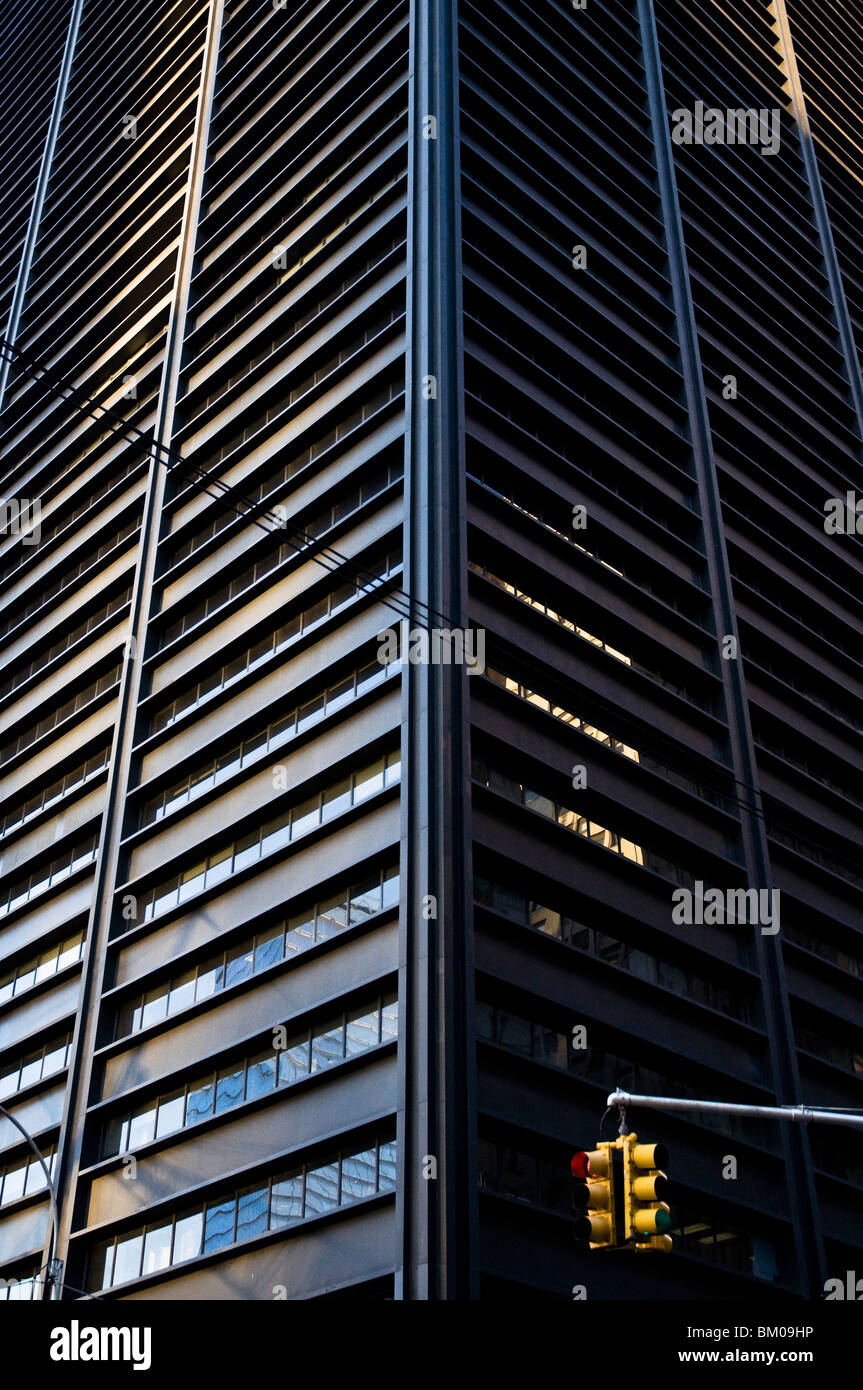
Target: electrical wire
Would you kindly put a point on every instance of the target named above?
(404, 605)
(329, 558)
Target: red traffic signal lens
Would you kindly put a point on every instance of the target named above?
(580, 1165)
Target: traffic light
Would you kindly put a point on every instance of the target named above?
(647, 1217)
(593, 1196)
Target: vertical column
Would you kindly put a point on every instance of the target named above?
(822, 217)
(436, 1210)
(120, 767)
(32, 236)
(783, 1055)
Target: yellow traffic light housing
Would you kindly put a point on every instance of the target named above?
(593, 1196)
(646, 1215)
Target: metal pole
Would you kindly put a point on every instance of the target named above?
(54, 1269)
(802, 1114)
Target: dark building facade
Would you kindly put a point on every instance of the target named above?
(533, 325)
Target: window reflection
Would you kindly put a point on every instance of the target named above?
(326, 1044)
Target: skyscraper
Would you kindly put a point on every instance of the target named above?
(429, 583)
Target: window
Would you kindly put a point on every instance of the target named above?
(299, 933)
(33, 971)
(328, 1043)
(380, 567)
(301, 1193)
(157, 1249)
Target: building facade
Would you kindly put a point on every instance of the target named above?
(430, 433)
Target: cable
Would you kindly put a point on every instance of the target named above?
(199, 478)
(404, 606)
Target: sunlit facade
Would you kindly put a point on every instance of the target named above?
(323, 317)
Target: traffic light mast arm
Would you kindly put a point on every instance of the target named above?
(801, 1113)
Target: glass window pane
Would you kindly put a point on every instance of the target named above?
(230, 1086)
(286, 1203)
(362, 1030)
(157, 1249)
(337, 798)
(239, 965)
(300, 933)
(209, 981)
(257, 741)
(322, 1189)
(155, 1006)
(367, 675)
(387, 1167)
(219, 1225)
(202, 778)
(283, 728)
(261, 1074)
(13, 1183)
(391, 888)
(9, 1082)
(100, 1266)
(514, 1033)
(369, 780)
(328, 1044)
(48, 963)
(315, 613)
(116, 1136)
(165, 896)
(288, 631)
(227, 762)
(277, 833)
(340, 695)
(55, 1058)
(127, 1261)
(192, 880)
(25, 978)
(268, 948)
(550, 1046)
(70, 951)
(536, 802)
(305, 816)
(219, 865)
(332, 916)
(187, 1237)
(31, 1069)
(229, 671)
(252, 1212)
(358, 1175)
(310, 712)
(35, 1174)
(260, 651)
(171, 1113)
(390, 1019)
(247, 851)
(366, 900)
(182, 992)
(294, 1061)
(199, 1102)
(142, 1127)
